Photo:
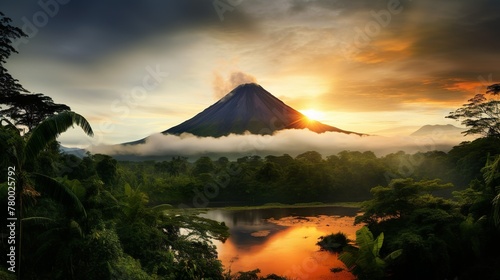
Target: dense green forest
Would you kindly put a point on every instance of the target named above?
(308, 177)
(123, 220)
(410, 233)
(413, 229)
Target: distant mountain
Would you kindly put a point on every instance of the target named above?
(395, 131)
(73, 151)
(433, 130)
(248, 107)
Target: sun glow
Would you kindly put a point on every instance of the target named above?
(312, 114)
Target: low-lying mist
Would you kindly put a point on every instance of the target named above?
(291, 142)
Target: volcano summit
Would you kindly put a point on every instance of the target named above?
(248, 107)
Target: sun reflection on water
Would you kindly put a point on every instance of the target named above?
(288, 248)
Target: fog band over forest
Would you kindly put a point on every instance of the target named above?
(292, 141)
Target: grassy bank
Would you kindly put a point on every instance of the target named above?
(273, 205)
(296, 205)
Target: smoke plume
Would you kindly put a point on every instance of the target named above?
(222, 86)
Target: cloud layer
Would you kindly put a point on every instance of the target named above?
(291, 142)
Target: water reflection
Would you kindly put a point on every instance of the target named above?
(282, 241)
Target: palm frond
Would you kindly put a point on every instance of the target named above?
(490, 171)
(349, 259)
(394, 255)
(59, 192)
(11, 141)
(161, 208)
(496, 209)
(377, 244)
(9, 125)
(364, 237)
(75, 229)
(37, 221)
(51, 128)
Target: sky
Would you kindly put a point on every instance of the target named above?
(135, 68)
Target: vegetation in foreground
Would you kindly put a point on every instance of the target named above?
(425, 236)
(334, 242)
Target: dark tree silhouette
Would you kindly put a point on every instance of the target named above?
(31, 109)
(481, 115)
(20, 107)
(8, 33)
(493, 89)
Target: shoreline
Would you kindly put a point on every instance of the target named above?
(276, 205)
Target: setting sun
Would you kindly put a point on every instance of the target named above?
(312, 114)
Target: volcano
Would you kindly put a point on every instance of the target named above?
(248, 108)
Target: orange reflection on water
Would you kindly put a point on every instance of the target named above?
(291, 250)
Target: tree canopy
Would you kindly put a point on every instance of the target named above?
(8, 33)
(24, 109)
(481, 115)
(31, 109)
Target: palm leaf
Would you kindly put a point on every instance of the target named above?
(364, 237)
(75, 229)
(9, 125)
(128, 189)
(110, 198)
(394, 255)
(349, 259)
(11, 140)
(38, 221)
(378, 244)
(161, 208)
(379, 262)
(496, 209)
(59, 192)
(490, 171)
(51, 128)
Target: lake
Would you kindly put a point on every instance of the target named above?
(283, 240)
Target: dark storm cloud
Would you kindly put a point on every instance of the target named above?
(86, 30)
(452, 51)
(346, 7)
(465, 38)
(463, 33)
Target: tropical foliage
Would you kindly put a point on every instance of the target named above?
(72, 228)
(481, 115)
(335, 242)
(346, 176)
(364, 259)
